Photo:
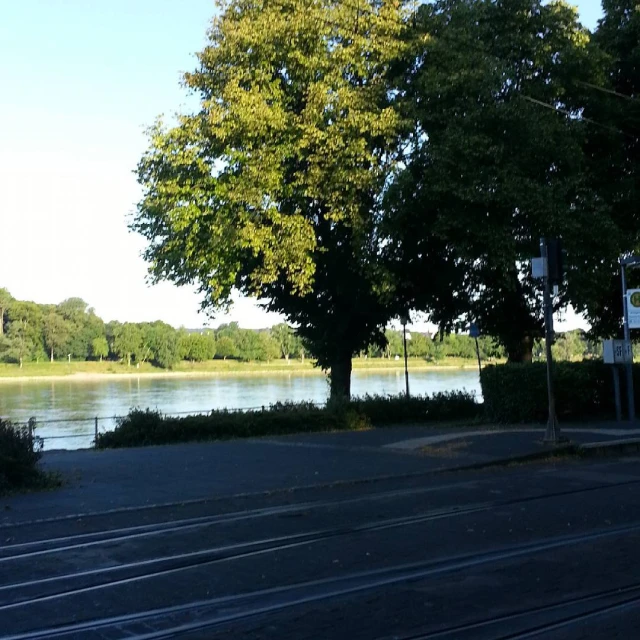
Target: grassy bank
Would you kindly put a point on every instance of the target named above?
(141, 428)
(212, 367)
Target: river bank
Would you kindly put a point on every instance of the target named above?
(99, 371)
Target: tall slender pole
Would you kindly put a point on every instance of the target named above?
(406, 365)
(627, 338)
(616, 391)
(478, 354)
(552, 434)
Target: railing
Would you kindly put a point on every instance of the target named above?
(36, 423)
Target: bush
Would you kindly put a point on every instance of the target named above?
(518, 392)
(20, 451)
(148, 427)
(439, 407)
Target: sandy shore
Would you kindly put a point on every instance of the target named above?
(101, 377)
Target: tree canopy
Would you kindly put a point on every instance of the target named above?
(272, 187)
(498, 159)
(351, 161)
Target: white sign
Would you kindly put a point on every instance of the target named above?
(616, 351)
(633, 308)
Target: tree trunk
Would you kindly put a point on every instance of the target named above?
(340, 377)
(51, 354)
(521, 351)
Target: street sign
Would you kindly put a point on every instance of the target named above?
(633, 308)
(555, 260)
(616, 351)
(538, 268)
(474, 332)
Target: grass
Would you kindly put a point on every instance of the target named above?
(41, 369)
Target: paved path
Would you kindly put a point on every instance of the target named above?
(543, 550)
(128, 478)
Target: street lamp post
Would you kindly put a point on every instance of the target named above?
(405, 320)
(474, 332)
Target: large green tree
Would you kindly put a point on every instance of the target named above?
(198, 347)
(25, 331)
(273, 186)
(99, 348)
(285, 337)
(5, 300)
(127, 341)
(226, 348)
(84, 326)
(612, 105)
(57, 331)
(160, 343)
(495, 162)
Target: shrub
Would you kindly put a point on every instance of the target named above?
(148, 427)
(518, 392)
(20, 451)
(439, 407)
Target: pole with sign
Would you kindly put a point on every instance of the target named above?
(552, 434)
(629, 310)
(474, 333)
(550, 268)
(404, 319)
(616, 352)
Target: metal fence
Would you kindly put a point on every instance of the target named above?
(103, 424)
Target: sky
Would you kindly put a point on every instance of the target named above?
(80, 82)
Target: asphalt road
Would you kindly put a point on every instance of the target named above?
(533, 550)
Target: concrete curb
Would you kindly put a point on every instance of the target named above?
(585, 450)
(610, 447)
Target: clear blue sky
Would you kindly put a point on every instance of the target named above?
(80, 80)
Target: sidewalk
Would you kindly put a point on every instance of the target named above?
(98, 481)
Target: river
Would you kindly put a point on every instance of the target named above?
(65, 409)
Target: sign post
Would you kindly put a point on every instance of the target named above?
(405, 320)
(474, 333)
(616, 353)
(552, 434)
(627, 304)
(550, 268)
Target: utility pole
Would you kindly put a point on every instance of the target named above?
(474, 332)
(552, 272)
(627, 338)
(405, 319)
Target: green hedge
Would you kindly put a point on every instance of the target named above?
(518, 392)
(148, 427)
(439, 407)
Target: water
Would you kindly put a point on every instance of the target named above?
(63, 400)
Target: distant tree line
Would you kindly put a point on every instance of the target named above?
(31, 332)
